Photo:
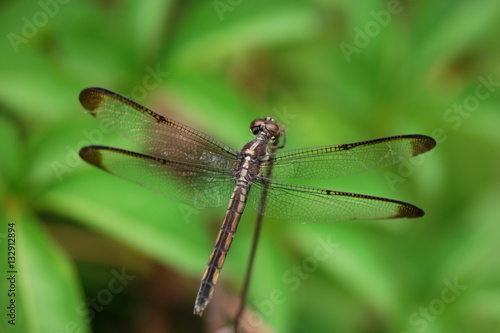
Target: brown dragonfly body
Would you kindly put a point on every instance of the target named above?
(247, 170)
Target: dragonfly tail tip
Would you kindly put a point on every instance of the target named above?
(198, 310)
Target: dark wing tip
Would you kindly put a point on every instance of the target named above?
(91, 98)
(92, 155)
(409, 211)
(422, 144)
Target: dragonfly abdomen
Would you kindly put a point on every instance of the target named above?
(222, 245)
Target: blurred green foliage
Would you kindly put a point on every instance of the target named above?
(334, 72)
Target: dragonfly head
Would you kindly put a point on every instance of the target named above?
(267, 126)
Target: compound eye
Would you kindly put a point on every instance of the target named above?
(273, 129)
(256, 126)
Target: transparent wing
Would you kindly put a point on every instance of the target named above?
(193, 184)
(348, 159)
(291, 202)
(155, 134)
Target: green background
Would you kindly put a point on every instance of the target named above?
(334, 72)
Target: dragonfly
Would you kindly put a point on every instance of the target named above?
(189, 166)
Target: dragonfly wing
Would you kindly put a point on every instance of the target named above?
(297, 203)
(193, 184)
(155, 134)
(348, 159)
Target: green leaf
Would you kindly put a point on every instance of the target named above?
(48, 294)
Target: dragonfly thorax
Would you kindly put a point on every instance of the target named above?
(250, 159)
